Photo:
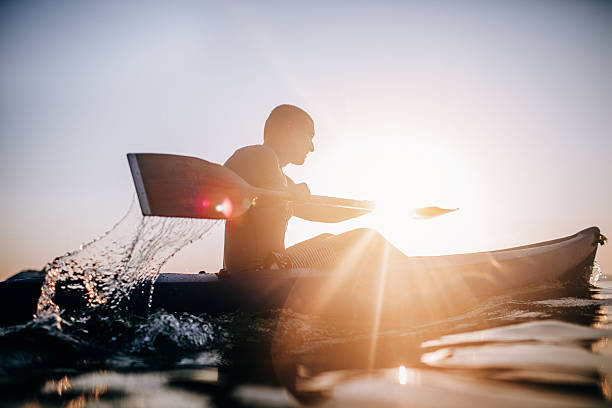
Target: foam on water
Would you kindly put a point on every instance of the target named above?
(111, 266)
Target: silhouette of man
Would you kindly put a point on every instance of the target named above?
(256, 240)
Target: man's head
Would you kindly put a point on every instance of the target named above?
(289, 131)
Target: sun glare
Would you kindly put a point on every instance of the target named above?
(419, 176)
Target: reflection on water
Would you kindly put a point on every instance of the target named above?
(402, 375)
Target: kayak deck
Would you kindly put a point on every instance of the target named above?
(417, 290)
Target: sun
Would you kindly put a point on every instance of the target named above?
(421, 175)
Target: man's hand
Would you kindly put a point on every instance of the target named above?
(299, 191)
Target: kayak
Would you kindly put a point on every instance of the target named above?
(419, 290)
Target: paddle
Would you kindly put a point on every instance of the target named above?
(181, 186)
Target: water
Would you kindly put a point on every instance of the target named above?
(108, 269)
(547, 346)
(509, 352)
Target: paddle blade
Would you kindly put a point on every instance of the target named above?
(180, 186)
(431, 212)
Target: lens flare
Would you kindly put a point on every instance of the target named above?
(227, 207)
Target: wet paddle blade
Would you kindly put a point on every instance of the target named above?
(180, 186)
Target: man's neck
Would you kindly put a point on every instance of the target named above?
(282, 162)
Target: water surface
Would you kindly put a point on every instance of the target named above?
(513, 351)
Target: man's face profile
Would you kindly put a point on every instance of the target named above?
(289, 131)
(300, 140)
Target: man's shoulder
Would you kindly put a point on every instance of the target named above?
(258, 153)
(258, 165)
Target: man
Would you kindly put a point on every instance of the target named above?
(256, 240)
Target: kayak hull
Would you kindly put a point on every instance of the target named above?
(421, 289)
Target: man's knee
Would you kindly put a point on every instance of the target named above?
(366, 233)
(365, 236)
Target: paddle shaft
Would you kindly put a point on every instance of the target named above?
(315, 199)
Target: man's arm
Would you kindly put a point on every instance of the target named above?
(318, 212)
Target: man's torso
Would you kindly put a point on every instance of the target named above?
(251, 238)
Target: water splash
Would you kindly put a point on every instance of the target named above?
(596, 274)
(105, 271)
(163, 331)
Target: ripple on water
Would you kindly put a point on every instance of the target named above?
(570, 302)
(544, 331)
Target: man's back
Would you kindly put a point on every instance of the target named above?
(251, 238)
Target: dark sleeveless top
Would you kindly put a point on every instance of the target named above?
(251, 238)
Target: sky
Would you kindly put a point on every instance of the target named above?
(503, 109)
